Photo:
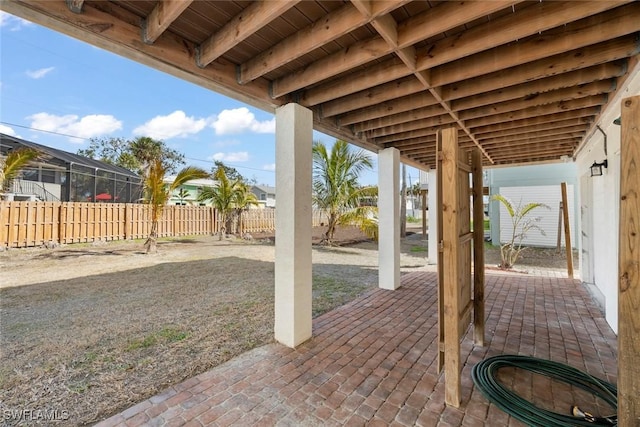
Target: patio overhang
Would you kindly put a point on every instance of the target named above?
(523, 81)
(387, 74)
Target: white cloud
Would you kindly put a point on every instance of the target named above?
(269, 167)
(38, 74)
(7, 130)
(12, 23)
(239, 156)
(241, 120)
(176, 124)
(89, 126)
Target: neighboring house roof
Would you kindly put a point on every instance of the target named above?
(66, 157)
(265, 189)
(194, 182)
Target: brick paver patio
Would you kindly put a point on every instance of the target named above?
(373, 362)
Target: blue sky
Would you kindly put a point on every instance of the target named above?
(54, 83)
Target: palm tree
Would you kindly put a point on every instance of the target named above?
(157, 193)
(336, 189)
(11, 165)
(243, 198)
(522, 224)
(221, 196)
(182, 194)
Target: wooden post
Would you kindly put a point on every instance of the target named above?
(423, 193)
(450, 237)
(440, 262)
(567, 230)
(559, 242)
(478, 248)
(629, 267)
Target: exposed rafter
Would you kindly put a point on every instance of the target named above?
(387, 73)
(241, 26)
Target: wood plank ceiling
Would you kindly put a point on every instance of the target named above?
(526, 81)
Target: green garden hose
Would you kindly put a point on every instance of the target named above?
(484, 376)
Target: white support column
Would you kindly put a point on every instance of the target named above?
(388, 218)
(433, 217)
(293, 278)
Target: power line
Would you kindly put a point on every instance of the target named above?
(45, 131)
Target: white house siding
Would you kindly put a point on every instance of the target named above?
(531, 177)
(551, 196)
(600, 208)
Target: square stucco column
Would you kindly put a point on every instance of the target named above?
(389, 218)
(294, 138)
(433, 217)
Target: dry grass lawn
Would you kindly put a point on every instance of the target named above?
(94, 329)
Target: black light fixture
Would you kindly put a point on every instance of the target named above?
(596, 168)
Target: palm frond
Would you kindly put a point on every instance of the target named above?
(14, 162)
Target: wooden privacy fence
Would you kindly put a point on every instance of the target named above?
(24, 224)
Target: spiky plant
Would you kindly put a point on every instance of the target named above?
(157, 194)
(336, 190)
(13, 163)
(522, 223)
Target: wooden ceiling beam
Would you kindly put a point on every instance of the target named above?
(425, 131)
(547, 125)
(527, 113)
(161, 17)
(344, 60)
(430, 23)
(500, 153)
(244, 24)
(314, 36)
(375, 95)
(593, 55)
(525, 22)
(387, 108)
(618, 22)
(584, 115)
(532, 89)
(436, 121)
(397, 119)
(385, 72)
(527, 140)
(545, 98)
(523, 74)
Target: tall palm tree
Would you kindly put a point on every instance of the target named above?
(221, 196)
(157, 193)
(243, 198)
(13, 163)
(336, 189)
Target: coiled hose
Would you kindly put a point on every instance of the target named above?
(485, 379)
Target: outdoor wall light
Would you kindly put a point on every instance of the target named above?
(596, 168)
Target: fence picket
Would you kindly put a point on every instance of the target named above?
(24, 224)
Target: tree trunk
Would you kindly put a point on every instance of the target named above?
(151, 245)
(223, 225)
(331, 229)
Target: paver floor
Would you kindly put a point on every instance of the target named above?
(374, 362)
